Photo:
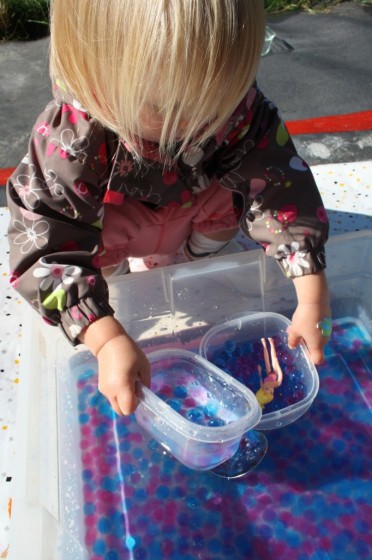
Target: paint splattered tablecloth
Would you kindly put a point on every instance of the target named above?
(346, 190)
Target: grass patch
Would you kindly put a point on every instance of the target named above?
(24, 19)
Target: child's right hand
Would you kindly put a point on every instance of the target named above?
(121, 363)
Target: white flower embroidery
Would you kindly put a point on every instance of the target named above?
(28, 187)
(55, 188)
(70, 145)
(56, 274)
(232, 179)
(31, 236)
(255, 212)
(293, 260)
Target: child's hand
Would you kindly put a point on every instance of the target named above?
(313, 307)
(121, 363)
(304, 328)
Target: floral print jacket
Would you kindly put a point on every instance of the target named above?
(74, 166)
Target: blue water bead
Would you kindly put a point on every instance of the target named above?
(89, 508)
(229, 346)
(215, 422)
(141, 494)
(175, 404)
(130, 542)
(99, 547)
(84, 418)
(104, 525)
(163, 492)
(180, 392)
(211, 408)
(214, 545)
(195, 414)
(108, 484)
(112, 555)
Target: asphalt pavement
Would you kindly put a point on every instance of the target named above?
(319, 64)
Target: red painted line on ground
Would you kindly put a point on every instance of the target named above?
(5, 174)
(350, 122)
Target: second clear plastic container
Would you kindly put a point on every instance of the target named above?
(236, 347)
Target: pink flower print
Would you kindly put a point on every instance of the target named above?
(92, 317)
(56, 274)
(102, 154)
(90, 280)
(288, 214)
(169, 178)
(75, 111)
(186, 200)
(293, 260)
(13, 280)
(28, 187)
(124, 166)
(31, 236)
(322, 215)
(81, 189)
(75, 313)
(263, 144)
(70, 245)
(43, 128)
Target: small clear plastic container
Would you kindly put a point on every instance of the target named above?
(235, 346)
(196, 411)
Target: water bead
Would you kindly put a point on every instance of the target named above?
(229, 346)
(180, 392)
(99, 547)
(195, 414)
(211, 408)
(189, 402)
(175, 404)
(130, 542)
(216, 422)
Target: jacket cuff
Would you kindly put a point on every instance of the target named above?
(76, 318)
(301, 263)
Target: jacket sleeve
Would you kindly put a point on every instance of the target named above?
(55, 197)
(279, 204)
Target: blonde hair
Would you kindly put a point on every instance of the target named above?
(195, 58)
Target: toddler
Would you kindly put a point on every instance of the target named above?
(157, 136)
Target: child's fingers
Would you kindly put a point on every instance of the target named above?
(115, 406)
(315, 347)
(316, 354)
(294, 339)
(127, 400)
